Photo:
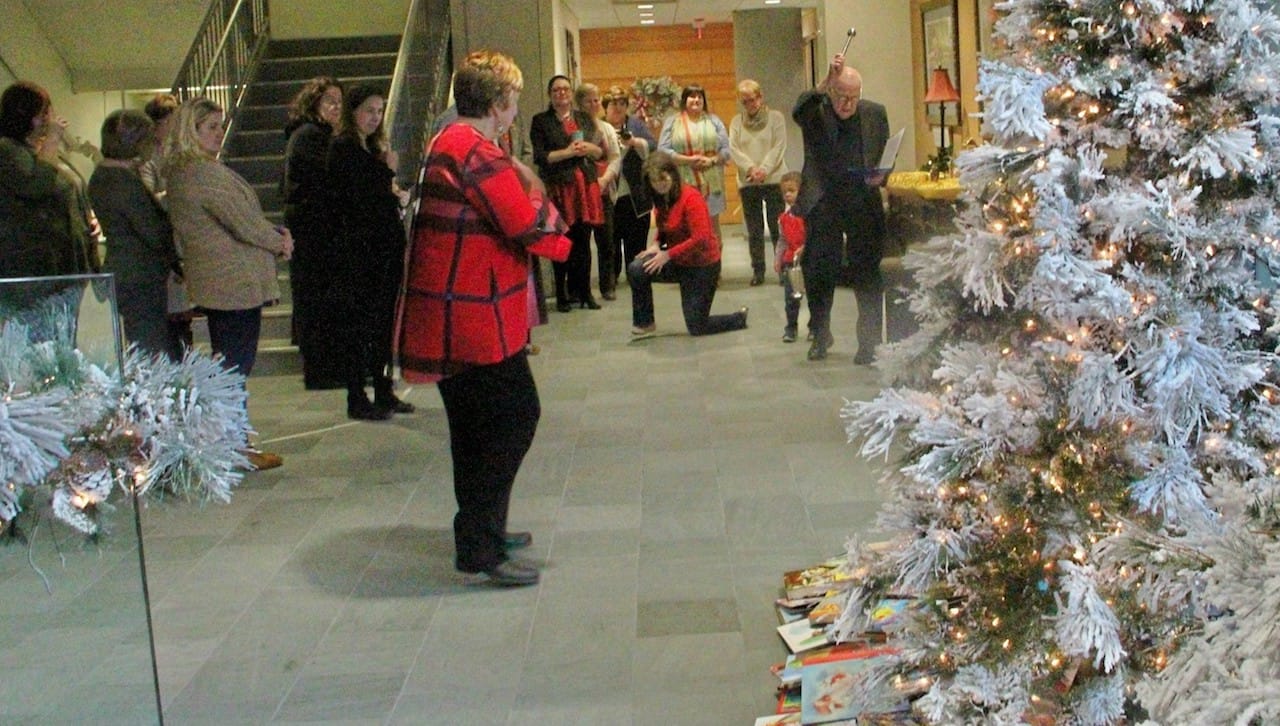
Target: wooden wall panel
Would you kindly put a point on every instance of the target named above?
(618, 56)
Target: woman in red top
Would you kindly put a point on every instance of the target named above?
(465, 309)
(686, 241)
(566, 145)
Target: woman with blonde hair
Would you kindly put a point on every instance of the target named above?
(467, 306)
(229, 248)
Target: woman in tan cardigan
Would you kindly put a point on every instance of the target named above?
(229, 248)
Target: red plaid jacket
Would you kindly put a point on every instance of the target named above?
(466, 298)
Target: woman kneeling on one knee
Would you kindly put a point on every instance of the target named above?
(686, 251)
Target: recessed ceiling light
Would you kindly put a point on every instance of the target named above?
(772, 2)
(646, 14)
(644, 7)
(648, 21)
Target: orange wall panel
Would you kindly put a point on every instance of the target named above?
(618, 56)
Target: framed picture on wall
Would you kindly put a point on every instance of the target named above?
(571, 58)
(938, 22)
(986, 16)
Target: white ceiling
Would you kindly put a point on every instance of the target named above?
(624, 13)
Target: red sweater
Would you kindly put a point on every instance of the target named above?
(685, 230)
(466, 300)
(793, 233)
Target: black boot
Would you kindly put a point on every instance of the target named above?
(360, 409)
(384, 397)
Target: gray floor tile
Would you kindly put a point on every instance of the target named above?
(670, 484)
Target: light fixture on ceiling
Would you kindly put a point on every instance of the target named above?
(647, 21)
(644, 7)
(772, 2)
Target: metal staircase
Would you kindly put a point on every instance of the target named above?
(234, 62)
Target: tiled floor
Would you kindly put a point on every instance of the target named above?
(672, 481)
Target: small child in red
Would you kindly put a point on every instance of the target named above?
(792, 229)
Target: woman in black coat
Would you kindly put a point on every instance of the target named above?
(566, 145)
(313, 116)
(370, 242)
(140, 250)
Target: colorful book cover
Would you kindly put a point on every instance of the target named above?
(826, 612)
(817, 580)
(788, 673)
(782, 719)
(801, 636)
(789, 700)
(832, 687)
(888, 614)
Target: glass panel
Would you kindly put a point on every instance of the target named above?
(75, 645)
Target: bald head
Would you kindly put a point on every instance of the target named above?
(845, 92)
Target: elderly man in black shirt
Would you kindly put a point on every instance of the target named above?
(844, 137)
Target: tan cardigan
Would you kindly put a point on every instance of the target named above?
(228, 247)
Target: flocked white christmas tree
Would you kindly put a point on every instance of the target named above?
(1085, 427)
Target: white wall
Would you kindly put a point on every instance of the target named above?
(329, 19)
(26, 52)
(881, 51)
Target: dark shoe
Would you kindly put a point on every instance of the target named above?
(608, 295)
(743, 312)
(789, 335)
(757, 278)
(390, 402)
(821, 342)
(564, 306)
(864, 357)
(589, 303)
(517, 540)
(512, 574)
(262, 460)
(361, 409)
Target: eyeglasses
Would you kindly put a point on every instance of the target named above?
(843, 99)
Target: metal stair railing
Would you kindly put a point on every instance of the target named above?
(420, 85)
(225, 54)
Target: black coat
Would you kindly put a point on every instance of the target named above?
(546, 134)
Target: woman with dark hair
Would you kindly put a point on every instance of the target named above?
(466, 307)
(140, 251)
(566, 145)
(44, 228)
(698, 142)
(313, 119)
(686, 251)
(368, 247)
(229, 248)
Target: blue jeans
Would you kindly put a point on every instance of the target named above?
(234, 334)
(697, 290)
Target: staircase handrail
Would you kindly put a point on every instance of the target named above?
(224, 55)
(420, 86)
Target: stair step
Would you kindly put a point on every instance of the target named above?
(303, 47)
(256, 142)
(257, 169)
(269, 196)
(288, 69)
(271, 117)
(272, 93)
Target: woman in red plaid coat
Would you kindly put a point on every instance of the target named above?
(465, 313)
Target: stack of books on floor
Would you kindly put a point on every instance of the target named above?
(821, 680)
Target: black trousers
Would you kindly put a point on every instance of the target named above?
(605, 249)
(573, 276)
(836, 242)
(493, 413)
(630, 233)
(755, 198)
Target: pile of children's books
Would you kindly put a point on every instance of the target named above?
(820, 682)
